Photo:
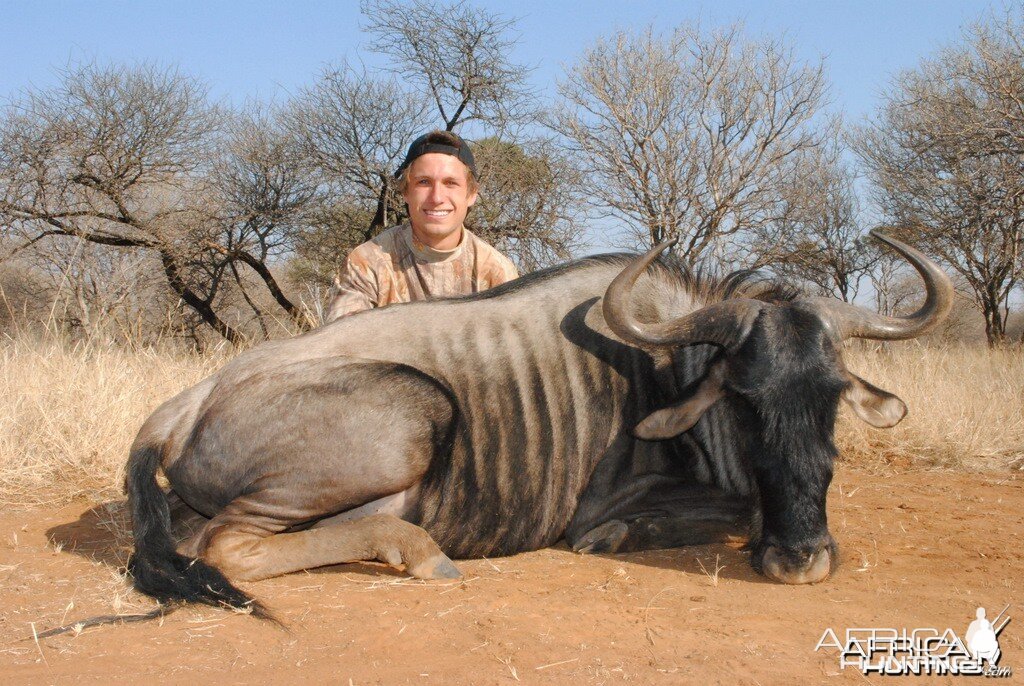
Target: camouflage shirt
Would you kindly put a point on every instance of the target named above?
(394, 267)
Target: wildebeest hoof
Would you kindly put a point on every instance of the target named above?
(436, 567)
(605, 538)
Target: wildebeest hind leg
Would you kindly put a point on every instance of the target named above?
(245, 554)
(186, 524)
(285, 450)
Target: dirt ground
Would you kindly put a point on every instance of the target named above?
(920, 549)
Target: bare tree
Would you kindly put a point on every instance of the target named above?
(944, 181)
(687, 135)
(137, 159)
(264, 194)
(816, 235)
(459, 55)
(528, 208)
(94, 289)
(354, 129)
(111, 156)
(356, 126)
(889, 282)
(987, 105)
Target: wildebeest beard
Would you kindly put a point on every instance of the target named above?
(782, 390)
(792, 463)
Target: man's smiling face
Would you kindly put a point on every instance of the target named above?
(438, 195)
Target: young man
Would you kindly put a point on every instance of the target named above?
(433, 255)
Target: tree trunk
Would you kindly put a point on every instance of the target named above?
(201, 307)
(380, 217)
(275, 290)
(250, 302)
(995, 323)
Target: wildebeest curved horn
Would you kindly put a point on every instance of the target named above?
(850, 321)
(726, 323)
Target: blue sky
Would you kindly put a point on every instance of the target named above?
(265, 50)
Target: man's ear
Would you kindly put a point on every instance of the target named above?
(673, 420)
(878, 408)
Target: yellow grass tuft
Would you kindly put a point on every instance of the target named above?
(68, 412)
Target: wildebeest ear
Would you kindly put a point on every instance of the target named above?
(873, 405)
(675, 419)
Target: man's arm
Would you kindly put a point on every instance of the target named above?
(354, 288)
(501, 270)
(509, 272)
(494, 267)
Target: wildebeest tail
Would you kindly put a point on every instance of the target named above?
(157, 568)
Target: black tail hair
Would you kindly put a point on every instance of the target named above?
(157, 568)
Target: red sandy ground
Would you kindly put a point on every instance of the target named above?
(920, 549)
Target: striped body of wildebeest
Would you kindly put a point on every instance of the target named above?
(617, 402)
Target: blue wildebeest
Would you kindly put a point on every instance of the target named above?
(617, 402)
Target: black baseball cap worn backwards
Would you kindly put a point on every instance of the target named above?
(433, 142)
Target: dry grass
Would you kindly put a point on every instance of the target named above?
(966, 408)
(68, 412)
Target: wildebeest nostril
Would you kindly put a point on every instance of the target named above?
(817, 567)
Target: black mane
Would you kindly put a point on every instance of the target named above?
(711, 287)
(548, 273)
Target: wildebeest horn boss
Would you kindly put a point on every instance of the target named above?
(620, 403)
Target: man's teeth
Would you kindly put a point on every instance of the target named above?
(438, 213)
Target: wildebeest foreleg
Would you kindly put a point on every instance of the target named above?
(691, 519)
(246, 554)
